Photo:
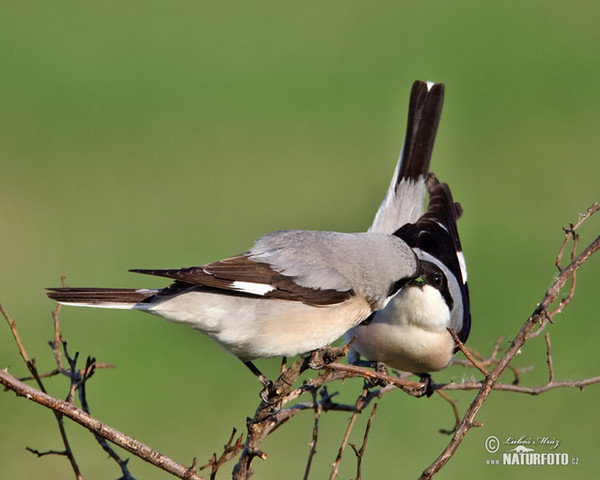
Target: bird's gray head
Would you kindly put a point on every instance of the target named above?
(386, 265)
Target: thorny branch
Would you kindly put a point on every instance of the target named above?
(361, 451)
(273, 412)
(31, 366)
(230, 450)
(538, 317)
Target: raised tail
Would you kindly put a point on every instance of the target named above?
(101, 297)
(405, 198)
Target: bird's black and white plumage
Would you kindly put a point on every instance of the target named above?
(411, 333)
(294, 291)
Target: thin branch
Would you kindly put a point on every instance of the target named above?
(491, 379)
(31, 366)
(569, 233)
(355, 371)
(47, 452)
(507, 387)
(269, 416)
(85, 376)
(15, 333)
(55, 344)
(549, 358)
(315, 436)
(336, 464)
(490, 360)
(56, 371)
(230, 450)
(361, 452)
(454, 411)
(86, 420)
(466, 353)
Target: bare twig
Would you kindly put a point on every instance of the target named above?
(549, 359)
(336, 464)
(315, 436)
(454, 411)
(490, 360)
(361, 452)
(466, 353)
(355, 371)
(507, 387)
(491, 379)
(269, 416)
(230, 450)
(68, 452)
(15, 333)
(569, 233)
(83, 377)
(86, 420)
(60, 453)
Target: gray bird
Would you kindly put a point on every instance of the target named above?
(293, 292)
(411, 334)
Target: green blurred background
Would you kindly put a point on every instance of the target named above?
(161, 134)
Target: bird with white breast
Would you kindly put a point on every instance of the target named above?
(411, 333)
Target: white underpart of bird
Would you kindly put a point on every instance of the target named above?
(411, 333)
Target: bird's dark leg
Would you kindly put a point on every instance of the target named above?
(428, 381)
(261, 378)
(283, 365)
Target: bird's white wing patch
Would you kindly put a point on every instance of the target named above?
(253, 288)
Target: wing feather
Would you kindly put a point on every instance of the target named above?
(242, 275)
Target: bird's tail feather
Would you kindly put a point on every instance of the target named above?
(405, 198)
(101, 297)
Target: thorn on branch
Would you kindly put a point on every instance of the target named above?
(454, 411)
(39, 454)
(466, 352)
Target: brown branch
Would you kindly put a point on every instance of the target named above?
(490, 381)
(490, 360)
(230, 450)
(39, 454)
(81, 379)
(569, 233)
(15, 333)
(359, 402)
(507, 387)
(549, 359)
(55, 344)
(86, 420)
(315, 436)
(361, 452)
(31, 366)
(56, 371)
(269, 416)
(454, 411)
(466, 353)
(355, 371)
